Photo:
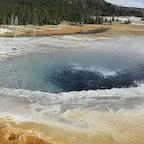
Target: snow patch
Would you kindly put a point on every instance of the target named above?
(133, 20)
(3, 31)
(7, 49)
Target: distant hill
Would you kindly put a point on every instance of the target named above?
(54, 11)
(137, 9)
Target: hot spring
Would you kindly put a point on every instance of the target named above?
(70, 71)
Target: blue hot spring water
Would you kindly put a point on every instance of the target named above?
(70, 71)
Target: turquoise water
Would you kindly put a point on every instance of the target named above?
(70, 71)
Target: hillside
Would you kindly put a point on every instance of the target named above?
(137, 9)
(55, 11)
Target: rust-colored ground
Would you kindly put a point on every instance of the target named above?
(109, 129)
(26, 133)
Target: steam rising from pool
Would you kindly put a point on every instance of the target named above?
(71, 71)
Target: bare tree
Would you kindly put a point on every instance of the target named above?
(35, 23)
(15, 24)
(12, 19)
(16, 21)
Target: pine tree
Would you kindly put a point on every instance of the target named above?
(53, 11)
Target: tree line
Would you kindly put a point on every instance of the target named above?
(40, 12)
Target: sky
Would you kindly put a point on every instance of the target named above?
(128, 3)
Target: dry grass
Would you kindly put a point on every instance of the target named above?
(65, 28)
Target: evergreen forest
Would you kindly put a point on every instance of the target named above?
(40, 12)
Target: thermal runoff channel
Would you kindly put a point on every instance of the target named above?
(71, 71)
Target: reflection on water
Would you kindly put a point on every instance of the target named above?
(70, 71)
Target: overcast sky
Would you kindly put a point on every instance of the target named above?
(128, 3)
